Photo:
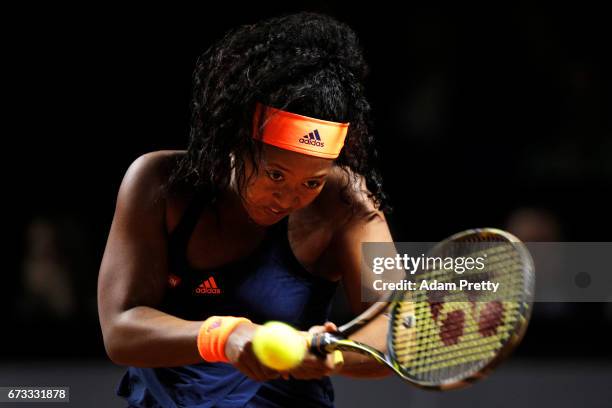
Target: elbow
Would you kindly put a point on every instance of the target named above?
(115, 356)
(116, 341)
(112, 346)
(122, 344)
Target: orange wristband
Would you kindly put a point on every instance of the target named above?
(213, 335)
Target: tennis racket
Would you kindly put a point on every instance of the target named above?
(442, 340)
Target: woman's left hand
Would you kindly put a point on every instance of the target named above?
(314, 366)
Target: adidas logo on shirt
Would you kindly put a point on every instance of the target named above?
(208, 287)
(312, 138)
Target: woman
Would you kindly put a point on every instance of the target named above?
(258, 220)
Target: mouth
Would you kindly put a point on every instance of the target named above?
(276, 211)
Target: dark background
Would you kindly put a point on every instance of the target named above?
(482, 115)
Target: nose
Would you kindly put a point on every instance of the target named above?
(286, 199)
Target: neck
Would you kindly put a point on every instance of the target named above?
(231, 211)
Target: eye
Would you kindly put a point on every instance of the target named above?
(312, 184)
(275, 175)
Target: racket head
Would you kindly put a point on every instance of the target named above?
(449, 342)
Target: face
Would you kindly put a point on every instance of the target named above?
(286, 181)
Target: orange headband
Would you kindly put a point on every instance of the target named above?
(301, 134)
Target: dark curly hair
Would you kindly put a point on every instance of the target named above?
(306, 63)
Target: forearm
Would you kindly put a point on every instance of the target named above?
(146, 337)
(359, 365)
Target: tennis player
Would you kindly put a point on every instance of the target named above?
(259, 219)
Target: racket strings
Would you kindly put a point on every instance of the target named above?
(423, 349)
(500, 255)
(497, 266)
(505, 269)
(430, 329)
(509, 288)
(425, 353)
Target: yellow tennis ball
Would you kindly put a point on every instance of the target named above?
(279, 346)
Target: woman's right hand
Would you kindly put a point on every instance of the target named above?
(239, 351)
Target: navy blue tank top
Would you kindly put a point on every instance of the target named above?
(269, 284)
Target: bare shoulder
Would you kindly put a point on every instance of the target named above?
(345, 200)
(153, 168)
(145, 178)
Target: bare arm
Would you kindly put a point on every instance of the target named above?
(133, 275)
(366, 225)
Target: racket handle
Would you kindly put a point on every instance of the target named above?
(323, 343)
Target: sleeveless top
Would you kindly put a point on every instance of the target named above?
(269, 284)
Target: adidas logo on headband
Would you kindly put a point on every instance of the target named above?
(312, 138)
(283, 129)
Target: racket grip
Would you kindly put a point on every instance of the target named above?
(323, 343)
